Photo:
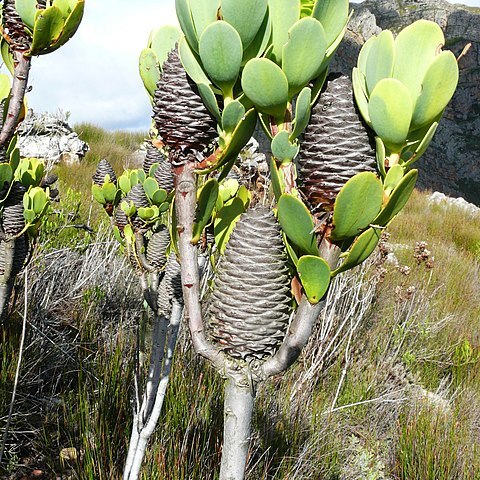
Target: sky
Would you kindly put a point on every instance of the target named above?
(95, 75)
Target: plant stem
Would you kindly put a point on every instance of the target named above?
(19, 87)
(6, 278)
(238, 408)
(185, 205)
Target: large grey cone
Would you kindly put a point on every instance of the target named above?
(250, 305)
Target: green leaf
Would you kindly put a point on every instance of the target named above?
(63, 6)
(228, 189)
(149, 70)
(438, 87)
(109, 192)
(204, 13)
(26, 9)
(245, 16)
(282, 149)
(129, 208)
(302, 113)
(393, 178)
(185, 20)
(333, 15)
(71, 26)
(380, 155)
(225, 222)
(129, 234)
(260, 42)
(356, 205)
(398, 198)
(390, 111)
(163, 40)
(266, 86)
(39, 200)
(304, 52)
(380, 59)
(48, 27)
(117, 235)
(297, 223)
(150, 186)
(29, 215)
(416, 47)
(283, 14)
(244, 195)
(159, 196)
(231, 115)
(221, 53)
(424, 143)
(359, 91)
(314, 274)
(207, 198)
(98, 195)
(147, 213)
(6, 55)
(360, 250)
(275, 179)
(290, 250)
(163, 207)
(209, 99)
(5, 86)
(191, 64)
(364, 53)
(124, 183)
(6, 174)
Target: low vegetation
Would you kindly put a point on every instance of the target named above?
(396, 395)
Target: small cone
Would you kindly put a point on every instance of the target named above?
(336, 145)
(183, 122)
(104, 168)
(163, 174)
(250, 305)
(156, 248)
(13, 26)
(170, 287)
(13, 220)
(139, 198)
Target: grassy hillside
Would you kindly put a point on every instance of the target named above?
(387, 388)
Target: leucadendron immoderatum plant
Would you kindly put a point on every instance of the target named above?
(276, 252)
(28, 28)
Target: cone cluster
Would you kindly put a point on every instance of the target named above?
(163, 174)
(184, 124)
(250, 305)
(139, 198)
(337, 145)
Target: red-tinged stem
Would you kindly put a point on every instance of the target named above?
(22, 65)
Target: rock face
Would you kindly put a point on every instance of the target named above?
(452, 162)
(50, 137)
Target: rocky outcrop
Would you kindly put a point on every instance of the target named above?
(452, 162)
(50, 137)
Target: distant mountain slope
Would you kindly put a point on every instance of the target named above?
(452, 163)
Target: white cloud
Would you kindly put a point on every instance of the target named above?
(95, 75)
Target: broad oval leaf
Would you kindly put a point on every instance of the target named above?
(364, 53)
(380, 59)
(231, 115)
(6, 174)
(304, 52)
(149, 70)
(204, 13)
(109, 191)
(190, 63)
(225, 222)
(163, 40)
(266, 86)
(259, 43)
(48, 27)
(393, 178)
(398, 198)
(356, 205)
(314, 273)
(26, 9)
(361, 249)
(185, 20)
(150, 186)
(221, 53)
(297, 223)
(283, 13)
(282, 148)
(360, 94)
(415, 48)
(333, 15)
(438, 87)
(390, 110)
(209, 99)
(245, 16)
